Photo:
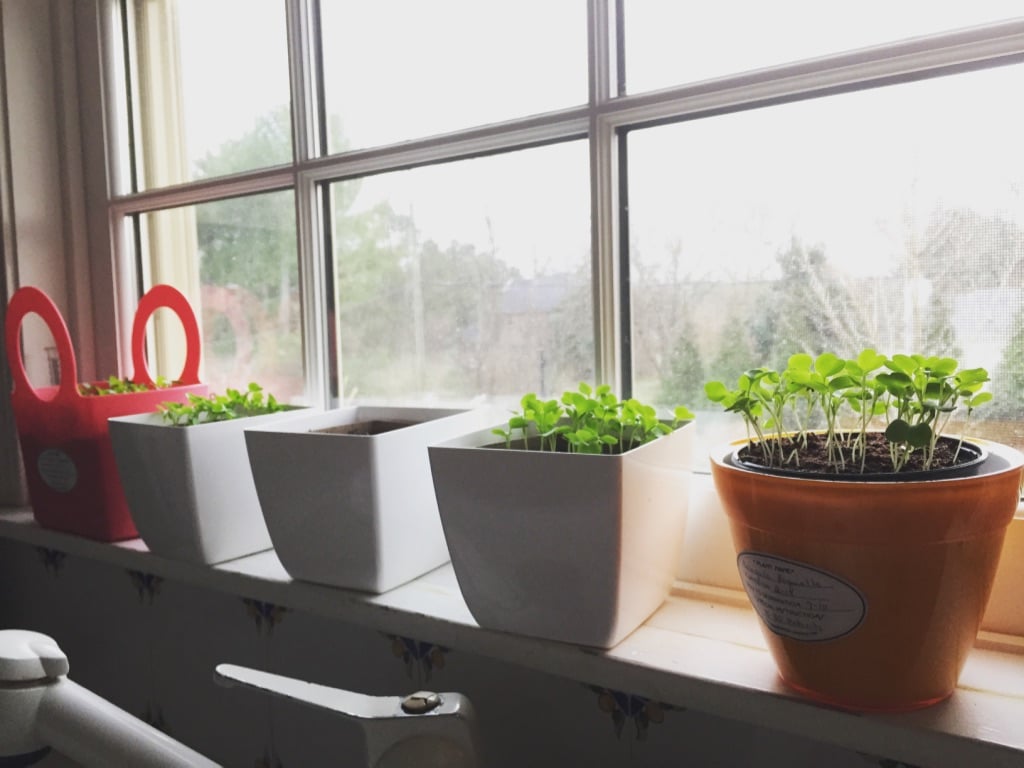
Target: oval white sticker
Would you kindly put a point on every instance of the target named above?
(57, 469)
(800, 601)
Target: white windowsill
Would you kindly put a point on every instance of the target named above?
(702, 649)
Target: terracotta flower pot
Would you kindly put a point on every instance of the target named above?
(870, 594)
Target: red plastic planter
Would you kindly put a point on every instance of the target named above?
(69, 462)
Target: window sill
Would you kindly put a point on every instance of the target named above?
(702, 649)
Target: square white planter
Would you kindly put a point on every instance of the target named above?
(190, 489)
(355, 510)
(569, 547)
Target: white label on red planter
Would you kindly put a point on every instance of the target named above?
(57, 470)
(799, 601)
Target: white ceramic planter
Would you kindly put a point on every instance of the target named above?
(569, 547)
(190, 489)
(355, 510)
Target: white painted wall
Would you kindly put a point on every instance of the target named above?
(49, 93)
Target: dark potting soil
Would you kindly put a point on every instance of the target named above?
(375, 427)
(878, 459)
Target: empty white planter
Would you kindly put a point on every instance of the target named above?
(570, 547)
(355, 510)
(190, 489)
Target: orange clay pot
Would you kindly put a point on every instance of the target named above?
(870, 593)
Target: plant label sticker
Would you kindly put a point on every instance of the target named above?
(57, 470)
(799, 601)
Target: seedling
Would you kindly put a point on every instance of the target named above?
(117, 386)
(589, 420)
(232, 405)
(913, 397)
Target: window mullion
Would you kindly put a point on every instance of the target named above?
(306, 75)
(938, 55)
(603, 200)
(317, 354)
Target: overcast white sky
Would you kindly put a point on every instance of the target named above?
(799, 169)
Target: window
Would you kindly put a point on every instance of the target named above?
(808, 227)
(235, 260)
(672, 43)
(466, 201)
(466, 279)
(207, 107)
(400, 69)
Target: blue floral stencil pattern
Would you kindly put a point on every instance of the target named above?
(147, 586)
(421, 659)
(52, 559)
(626, 706)
(266, 615)
(269, 759)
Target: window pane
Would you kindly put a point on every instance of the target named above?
(236, 261)
(401, 69)
(672, 43)
(466, 279)
(212, 101)
(889, 218)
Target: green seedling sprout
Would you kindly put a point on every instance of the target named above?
(590, 420)
(913, 396)
(231, 405)
(118, 386)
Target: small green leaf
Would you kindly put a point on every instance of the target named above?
(980, 399)
(920, 435)
(902, 364)
(841, 382)
(716, 391)
(898, 431)
(682, 413)
(869, 360)
(800, 362)
(828, 364)
(944, 366)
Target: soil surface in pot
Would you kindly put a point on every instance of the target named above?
(374, 427)
(561, 446)
(878, 460)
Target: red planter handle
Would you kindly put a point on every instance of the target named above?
(29, 300)
(165, 296)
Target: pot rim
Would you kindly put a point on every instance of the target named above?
(155, 419)
(996, 458)
(486, 439)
